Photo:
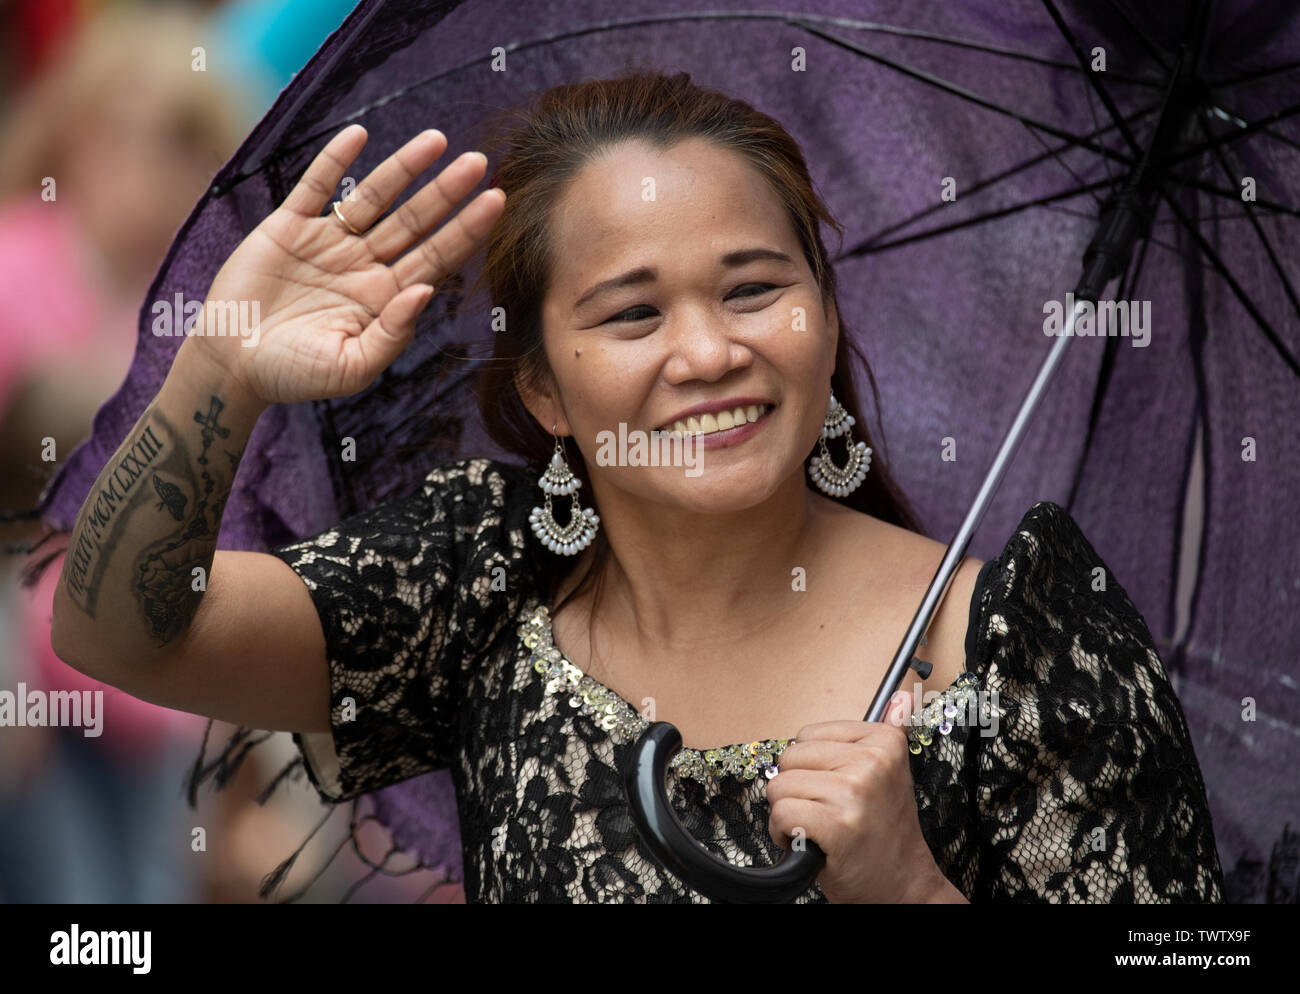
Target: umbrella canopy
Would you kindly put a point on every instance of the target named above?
(968, 148)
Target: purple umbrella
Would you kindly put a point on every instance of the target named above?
(970, 149)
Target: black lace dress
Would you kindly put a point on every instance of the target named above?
(1058, 768)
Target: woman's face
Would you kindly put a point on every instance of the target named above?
(683, 325)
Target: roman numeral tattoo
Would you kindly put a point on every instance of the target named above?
(157, 489)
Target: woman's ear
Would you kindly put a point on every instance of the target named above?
(542, 404)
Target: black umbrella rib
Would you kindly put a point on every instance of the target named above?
(1092, 216)
(962, 43)
(1056, 154)
(1237, 119)
(1209, 217)
(1256, 74)
(1191, 228)
(792, 18)
(1226, 139)
(1213, 144)
(1222, 159)
(867, 248)
(1139, 34)
(799, 18)
(1116, 117)
(803, 21)
(1290, 142)
(999, 177)
(1092, 113)
(961, 92)
(1232, 195)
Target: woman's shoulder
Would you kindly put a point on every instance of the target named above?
(1047, 578)
(906, 562)
(1049, 564)
(1077, 694)
(455, 492)
(1047, 544)
(1049, 594)
(469, 509)
(474, 491)
(485, 504)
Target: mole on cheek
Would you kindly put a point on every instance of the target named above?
(577, 352)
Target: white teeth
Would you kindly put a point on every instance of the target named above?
(722, 421)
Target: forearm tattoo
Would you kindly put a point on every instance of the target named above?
(172, 502)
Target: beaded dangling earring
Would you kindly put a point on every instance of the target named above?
(831, 479)
(570, 539)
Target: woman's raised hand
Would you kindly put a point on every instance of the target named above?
(335, 307)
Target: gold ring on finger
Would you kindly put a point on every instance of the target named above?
(339, 214)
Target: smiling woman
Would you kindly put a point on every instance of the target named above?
(660, 263)
(662, 259)
(661, 266)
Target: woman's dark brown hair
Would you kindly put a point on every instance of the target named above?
(542, 151)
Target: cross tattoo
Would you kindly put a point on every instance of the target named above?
(210, 426)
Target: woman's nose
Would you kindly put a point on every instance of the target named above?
(703, 346)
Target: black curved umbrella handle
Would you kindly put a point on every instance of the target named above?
(715, 878)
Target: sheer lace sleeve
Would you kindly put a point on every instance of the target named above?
(1089, 789)
(408, 593)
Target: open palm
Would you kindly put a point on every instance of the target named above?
(336, 308)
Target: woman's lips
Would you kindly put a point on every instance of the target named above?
(748, 413)
(728, 437)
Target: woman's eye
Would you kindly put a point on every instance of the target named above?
(622, 317)
(631, 314)
(760, 287)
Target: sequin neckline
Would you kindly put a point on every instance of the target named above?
(746, 760)
(587, 695)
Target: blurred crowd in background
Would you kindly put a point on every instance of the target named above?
(111, 132)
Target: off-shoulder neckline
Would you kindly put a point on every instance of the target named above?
(746, 760)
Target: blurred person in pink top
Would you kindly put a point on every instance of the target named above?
(101, 160)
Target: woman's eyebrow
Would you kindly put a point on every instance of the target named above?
(732, 259)
(642, 274)
(647, 274)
